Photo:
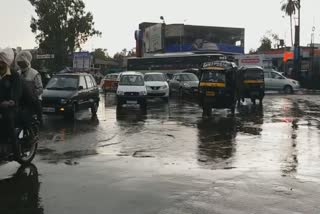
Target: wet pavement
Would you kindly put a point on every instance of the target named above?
(173, 160)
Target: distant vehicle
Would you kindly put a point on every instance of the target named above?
(157, 85)
(68, 93)
(132, 90)
(218, 86)
(184, 84)
(278, 82)
(110, 82)
(251, 83)
(193, 71)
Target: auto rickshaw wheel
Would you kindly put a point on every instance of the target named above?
(207, 110)
(253, 100)
(260, 101)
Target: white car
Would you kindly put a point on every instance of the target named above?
(276, 81)
(132, 90)
(157, 85)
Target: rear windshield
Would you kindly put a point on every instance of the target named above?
(111, 77)
(213, 76)
(253, 74)
(135, 80)
(154, 77)
(188, 77)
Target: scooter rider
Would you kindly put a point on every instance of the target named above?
(10, 94)
(31, 77)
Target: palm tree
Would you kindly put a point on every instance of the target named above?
(290, 7)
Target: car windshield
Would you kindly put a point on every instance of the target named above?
(63, 83)
(188, 77)
(154, 78)
(253, 75)
(213, 76)
(135, 80)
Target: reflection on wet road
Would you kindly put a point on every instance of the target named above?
(173, 160)
(20, 192)
(282, 135)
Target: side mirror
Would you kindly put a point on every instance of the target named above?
(80, 88)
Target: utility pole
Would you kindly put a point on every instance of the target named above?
(298, 40)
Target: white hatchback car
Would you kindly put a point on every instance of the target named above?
(132, 90)
(276, 81)
(157, 85)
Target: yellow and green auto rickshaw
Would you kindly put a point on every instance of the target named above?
(251, 84)
(218, 86)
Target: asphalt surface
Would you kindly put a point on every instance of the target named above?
(173, 160)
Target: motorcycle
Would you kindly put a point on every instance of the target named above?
(27, 144)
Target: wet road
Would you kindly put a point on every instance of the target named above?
(172, 160)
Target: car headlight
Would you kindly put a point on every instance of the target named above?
(164, 87)
(63, 101)
(143, 93)
(120, 93)
(149, 88)
(187, 85)
(295, 82)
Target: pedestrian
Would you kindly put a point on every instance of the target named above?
(32, 78)
(10, 94)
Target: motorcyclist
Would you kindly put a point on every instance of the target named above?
(10, 95)
(32, 79)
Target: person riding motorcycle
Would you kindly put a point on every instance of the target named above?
(32, 79)
(10, 94)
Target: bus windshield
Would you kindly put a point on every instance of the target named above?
(170, 63)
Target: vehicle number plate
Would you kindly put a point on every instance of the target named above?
(48, 110)
(132, 102)
(210, 93)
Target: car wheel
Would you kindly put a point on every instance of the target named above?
(72, 113)
(180, 92)
(94, 108)
(288, 89)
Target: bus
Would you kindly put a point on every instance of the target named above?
(171, 63)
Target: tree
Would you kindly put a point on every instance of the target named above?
(100, 54)
(266, 44)
(61, 27)
(289, 7)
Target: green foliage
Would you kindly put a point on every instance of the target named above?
(266, 44)
(100, 54)
(61, 27)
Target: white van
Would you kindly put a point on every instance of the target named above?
(132, 90)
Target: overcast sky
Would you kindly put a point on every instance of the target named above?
(118, 19)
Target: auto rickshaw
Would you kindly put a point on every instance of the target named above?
(251, 84)
(218, 86)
